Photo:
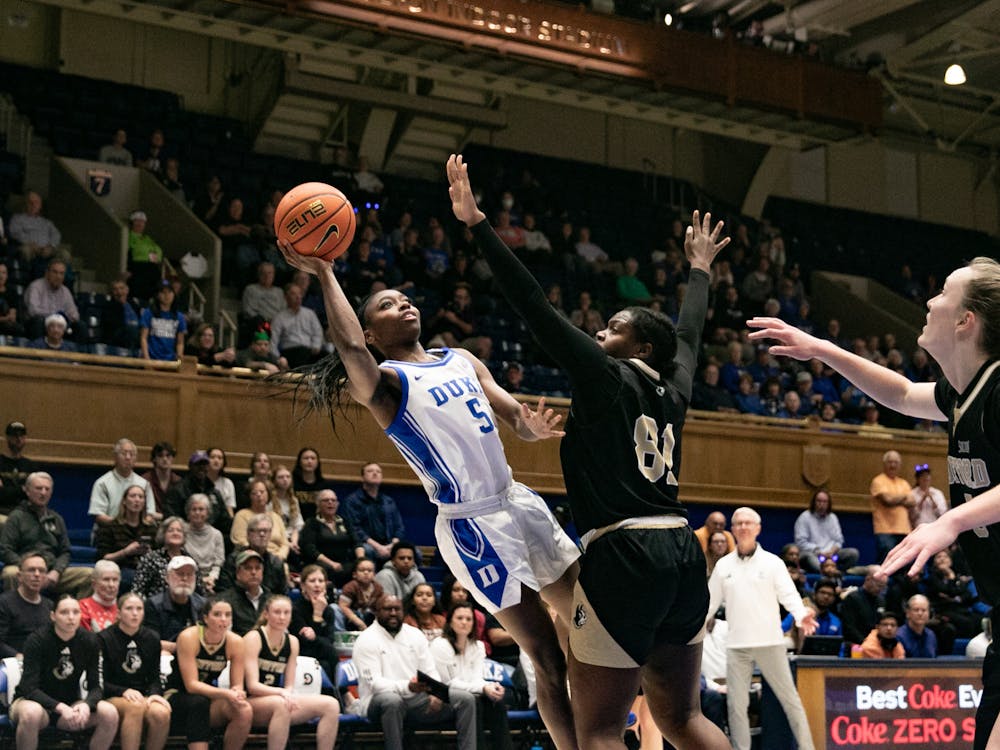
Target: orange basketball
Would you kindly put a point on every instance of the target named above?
(316, 219)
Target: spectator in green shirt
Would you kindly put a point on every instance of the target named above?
(145, 258)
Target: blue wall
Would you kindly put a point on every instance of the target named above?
(73, 483)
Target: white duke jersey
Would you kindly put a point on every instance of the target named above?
(446, 430)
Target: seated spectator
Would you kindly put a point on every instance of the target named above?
(328, 539)
(150, 574)
(818, 535)
(315, 620)
(366, 180)
(155, 153)
(270, 680)
(197, 481)
(586, 317)
(511, 234)
(918, 640)
(261, 495)
(14, 468)
(860, 609)
(162, 328)
(423, 611)
(260, 356)
(176, 607)
(758, 285)
(591, 254)
(373, 514)
(198, 705)
(171, 180)
(763, 369)
(388, 655)
(824, 600)
(536, 244)
(771, 397)
(115, 152)
(513, 378)
(285, 503)
(130, 663)
(460, 657)
(23, 609)
(37, 236)
(216, 474)
(359, 596)
(828, 568)
(247, 596)
(258, 537)
(204, 543)
(34, 527)
(239, 251)
(823, 381)
(951, 595)
(747, 400)
(162, 477)
(128, 537)
(882, 643)
(715, 521)
(10, 302)
(718, 547)
(709, 395)
(207, 205)
(262, 300)
(455, 322)
(399, 577)
(108, 492)
(729, 316)
(46, 296)
(55, 659)
(452, 593)
(202, 345)
(120, 320)
(809, 398)
(631, 289)
(53, 340)
(100, 610)
(145, 257)
(296, 332)
(927, 504)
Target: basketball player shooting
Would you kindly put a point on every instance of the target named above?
(962, 334)
(440, 409)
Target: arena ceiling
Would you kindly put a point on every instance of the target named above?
(907, 44)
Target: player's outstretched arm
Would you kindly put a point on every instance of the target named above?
(882, 384)
(921, 544)
(576, 352)
(363, 373)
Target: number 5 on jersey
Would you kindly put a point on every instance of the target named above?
(654, 461)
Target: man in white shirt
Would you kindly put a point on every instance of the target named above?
(388, 655)
(108, 491)
(751, 582)
(296, 333)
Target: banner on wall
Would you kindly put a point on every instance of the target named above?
(918, 712)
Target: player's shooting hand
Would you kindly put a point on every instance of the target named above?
(541, 422)
(306, 263)
(792, 342)
(463, 202)
(702, 243)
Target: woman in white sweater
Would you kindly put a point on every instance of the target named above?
(204, 543)
(459, 657)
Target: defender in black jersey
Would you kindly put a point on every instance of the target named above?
(641, 598)
(962, 333)
(271, 656)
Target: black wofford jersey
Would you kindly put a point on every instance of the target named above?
(974, 466)
(625, 463)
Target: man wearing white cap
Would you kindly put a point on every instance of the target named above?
(145, 257)
(54, 338)
(177, 606)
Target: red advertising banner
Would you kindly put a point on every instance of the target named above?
(919, 711)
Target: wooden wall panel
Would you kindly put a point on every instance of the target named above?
(74, 414)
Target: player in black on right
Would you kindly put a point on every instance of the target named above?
(962, 333)
(641, 599)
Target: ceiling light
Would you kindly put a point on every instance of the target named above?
(955, 75)
(668, 19)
